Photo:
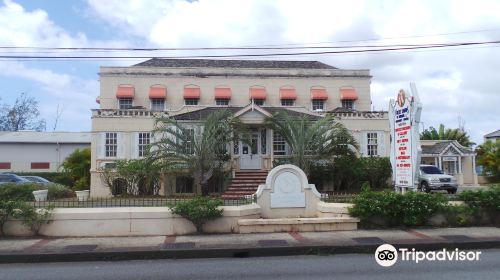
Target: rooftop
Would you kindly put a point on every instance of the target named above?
(44, 137)
(212, 63)
(493, 134)
(203, 113)
(436, 147)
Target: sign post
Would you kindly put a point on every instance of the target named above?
(404, 118)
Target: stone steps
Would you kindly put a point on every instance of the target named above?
(297, 224)
(245, 183)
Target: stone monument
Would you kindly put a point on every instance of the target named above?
(287, 194)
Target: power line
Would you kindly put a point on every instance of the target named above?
(349, 51)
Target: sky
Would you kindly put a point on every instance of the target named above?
(457, 86)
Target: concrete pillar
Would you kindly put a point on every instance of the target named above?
(436, 161)
(459, 165)
(440, 163)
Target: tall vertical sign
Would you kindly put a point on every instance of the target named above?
(404, 116)
(403, 142)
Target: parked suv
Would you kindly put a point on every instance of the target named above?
(12, 178)
(432, 178)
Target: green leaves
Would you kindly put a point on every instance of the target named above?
(78, 166)
(311, 140)
(409, 209)
(199, 210)
(447, 134)
(488, 156)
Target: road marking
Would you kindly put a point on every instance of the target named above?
(297, 236)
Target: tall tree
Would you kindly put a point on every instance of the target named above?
(23, 114)
(198, 149)
(311, 140)
(447, 134)
(488, 156)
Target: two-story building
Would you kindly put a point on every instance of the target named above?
(189, 89)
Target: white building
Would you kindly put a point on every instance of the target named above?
(188, 89)
(32, 151)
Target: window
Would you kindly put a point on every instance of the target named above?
(263, 143)
(184, 184)
(125, 103)
(111, 144)
(144, 140)
(287, 102)
(279, 144)
(259, 102)
(191, 101)
(318, 104)
(222, 102)
(157, 104)
(348, 104)
(372, 143)
(189, 142)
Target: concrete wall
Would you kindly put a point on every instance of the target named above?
(21, 155)
(133, 221)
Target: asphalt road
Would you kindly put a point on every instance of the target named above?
(354, 266)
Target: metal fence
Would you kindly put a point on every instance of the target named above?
(126, 202)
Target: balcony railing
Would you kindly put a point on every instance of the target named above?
(106, 113)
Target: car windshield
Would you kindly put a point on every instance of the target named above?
(35, 179)
(430, 170)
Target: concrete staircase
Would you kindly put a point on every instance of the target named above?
(245, 183)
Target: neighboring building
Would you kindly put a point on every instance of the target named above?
(492, 136)
(452, 158)
(188, 89)
(32, 151)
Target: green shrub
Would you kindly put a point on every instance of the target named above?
(376, 170)
(81, 184)
(199, 210)
(57, 191)
(486, 202)
(394, 209)
(32, 217)
(7, 208)
(22, 192)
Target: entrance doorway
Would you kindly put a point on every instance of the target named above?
(250, 152)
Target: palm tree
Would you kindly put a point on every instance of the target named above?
(311, 140)
(198, 149)
(447, 134)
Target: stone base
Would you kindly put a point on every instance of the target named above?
(297, 224)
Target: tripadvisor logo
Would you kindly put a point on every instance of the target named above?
(387, 255)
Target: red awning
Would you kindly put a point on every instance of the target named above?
(192, 93)
(222, 93)
(125, 91)
(288, 93)
(157, 92)
(348, 94)
(319, 93)
(258, 93)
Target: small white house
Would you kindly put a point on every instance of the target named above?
(32, 151)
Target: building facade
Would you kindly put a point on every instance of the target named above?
(187, 90)
(452, 158)
(33, 151)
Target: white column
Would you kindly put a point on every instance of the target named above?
(459, 165)
(473, 164)
(435, 161)
(440, 163)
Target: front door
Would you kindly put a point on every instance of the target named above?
(250, 156)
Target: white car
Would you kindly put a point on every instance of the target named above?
(432, 178)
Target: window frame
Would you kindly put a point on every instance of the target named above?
(279, 141)
(372, 143)
(217, 100)
(262, 102)
(315, 101)
(193, 100)
(348, 104)
(283, 101)
(142, 147)
(111, 145)
(152, 105)
(122, 99)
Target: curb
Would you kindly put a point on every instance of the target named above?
(235, 252)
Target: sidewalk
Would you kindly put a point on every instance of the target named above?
(242, 245)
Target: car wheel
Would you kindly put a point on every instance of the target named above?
(425, 187)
